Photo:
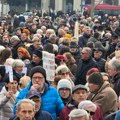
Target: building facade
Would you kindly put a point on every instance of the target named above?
(57, 5)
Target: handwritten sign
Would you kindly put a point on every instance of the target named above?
(49, 65)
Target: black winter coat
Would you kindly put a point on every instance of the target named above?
(82, 69)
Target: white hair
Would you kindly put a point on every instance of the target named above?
(115, 64)
(15, 38)
(1, 48)
(18, 63)
(9, 61)
(61, 67)
(78, 113)
(39, 31)
(18, 106)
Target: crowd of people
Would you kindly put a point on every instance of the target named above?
(86, 84)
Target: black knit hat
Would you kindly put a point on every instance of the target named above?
(38, 53)
(96, 78)
(38, 69)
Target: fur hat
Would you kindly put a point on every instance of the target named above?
(62, 69)
(96, 78)
(64, 83)
(38, 53)
(38, 69)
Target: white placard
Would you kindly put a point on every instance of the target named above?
(49, 65)
(24, 71)
(9, 71)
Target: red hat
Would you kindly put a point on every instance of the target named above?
(61, 57)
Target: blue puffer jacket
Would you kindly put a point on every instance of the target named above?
(51, 101)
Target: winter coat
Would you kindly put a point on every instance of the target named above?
(82, 69)
(64, 115)
(17, 75)
(51, 101)
(115, 82)
(98, 114)
(117, 117)
(83, 40)
(6, 105)
(101, 64)
(106, 98)
(73, 67)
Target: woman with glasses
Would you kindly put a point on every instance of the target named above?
(8, 95)
(92, 109)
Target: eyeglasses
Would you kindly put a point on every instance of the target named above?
(90, 112)
(65, 73)
(40, 78)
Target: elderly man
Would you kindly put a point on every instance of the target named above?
(51, 101)
(25, 110)
(102, 94)
(86, 62)
(39, 114)
(16, 43)
(114, 72)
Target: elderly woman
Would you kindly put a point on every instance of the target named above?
(93, 110)
(7, 98)
(65, 73)
(18, 68)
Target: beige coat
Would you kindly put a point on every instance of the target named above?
(106, 98)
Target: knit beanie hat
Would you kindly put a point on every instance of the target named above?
(38, 53)
(64, 83)
(38, 69)
(96, 78)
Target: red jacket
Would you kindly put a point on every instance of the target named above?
(64, 115)
(98, 114)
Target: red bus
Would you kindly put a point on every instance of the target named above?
(107, 9)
